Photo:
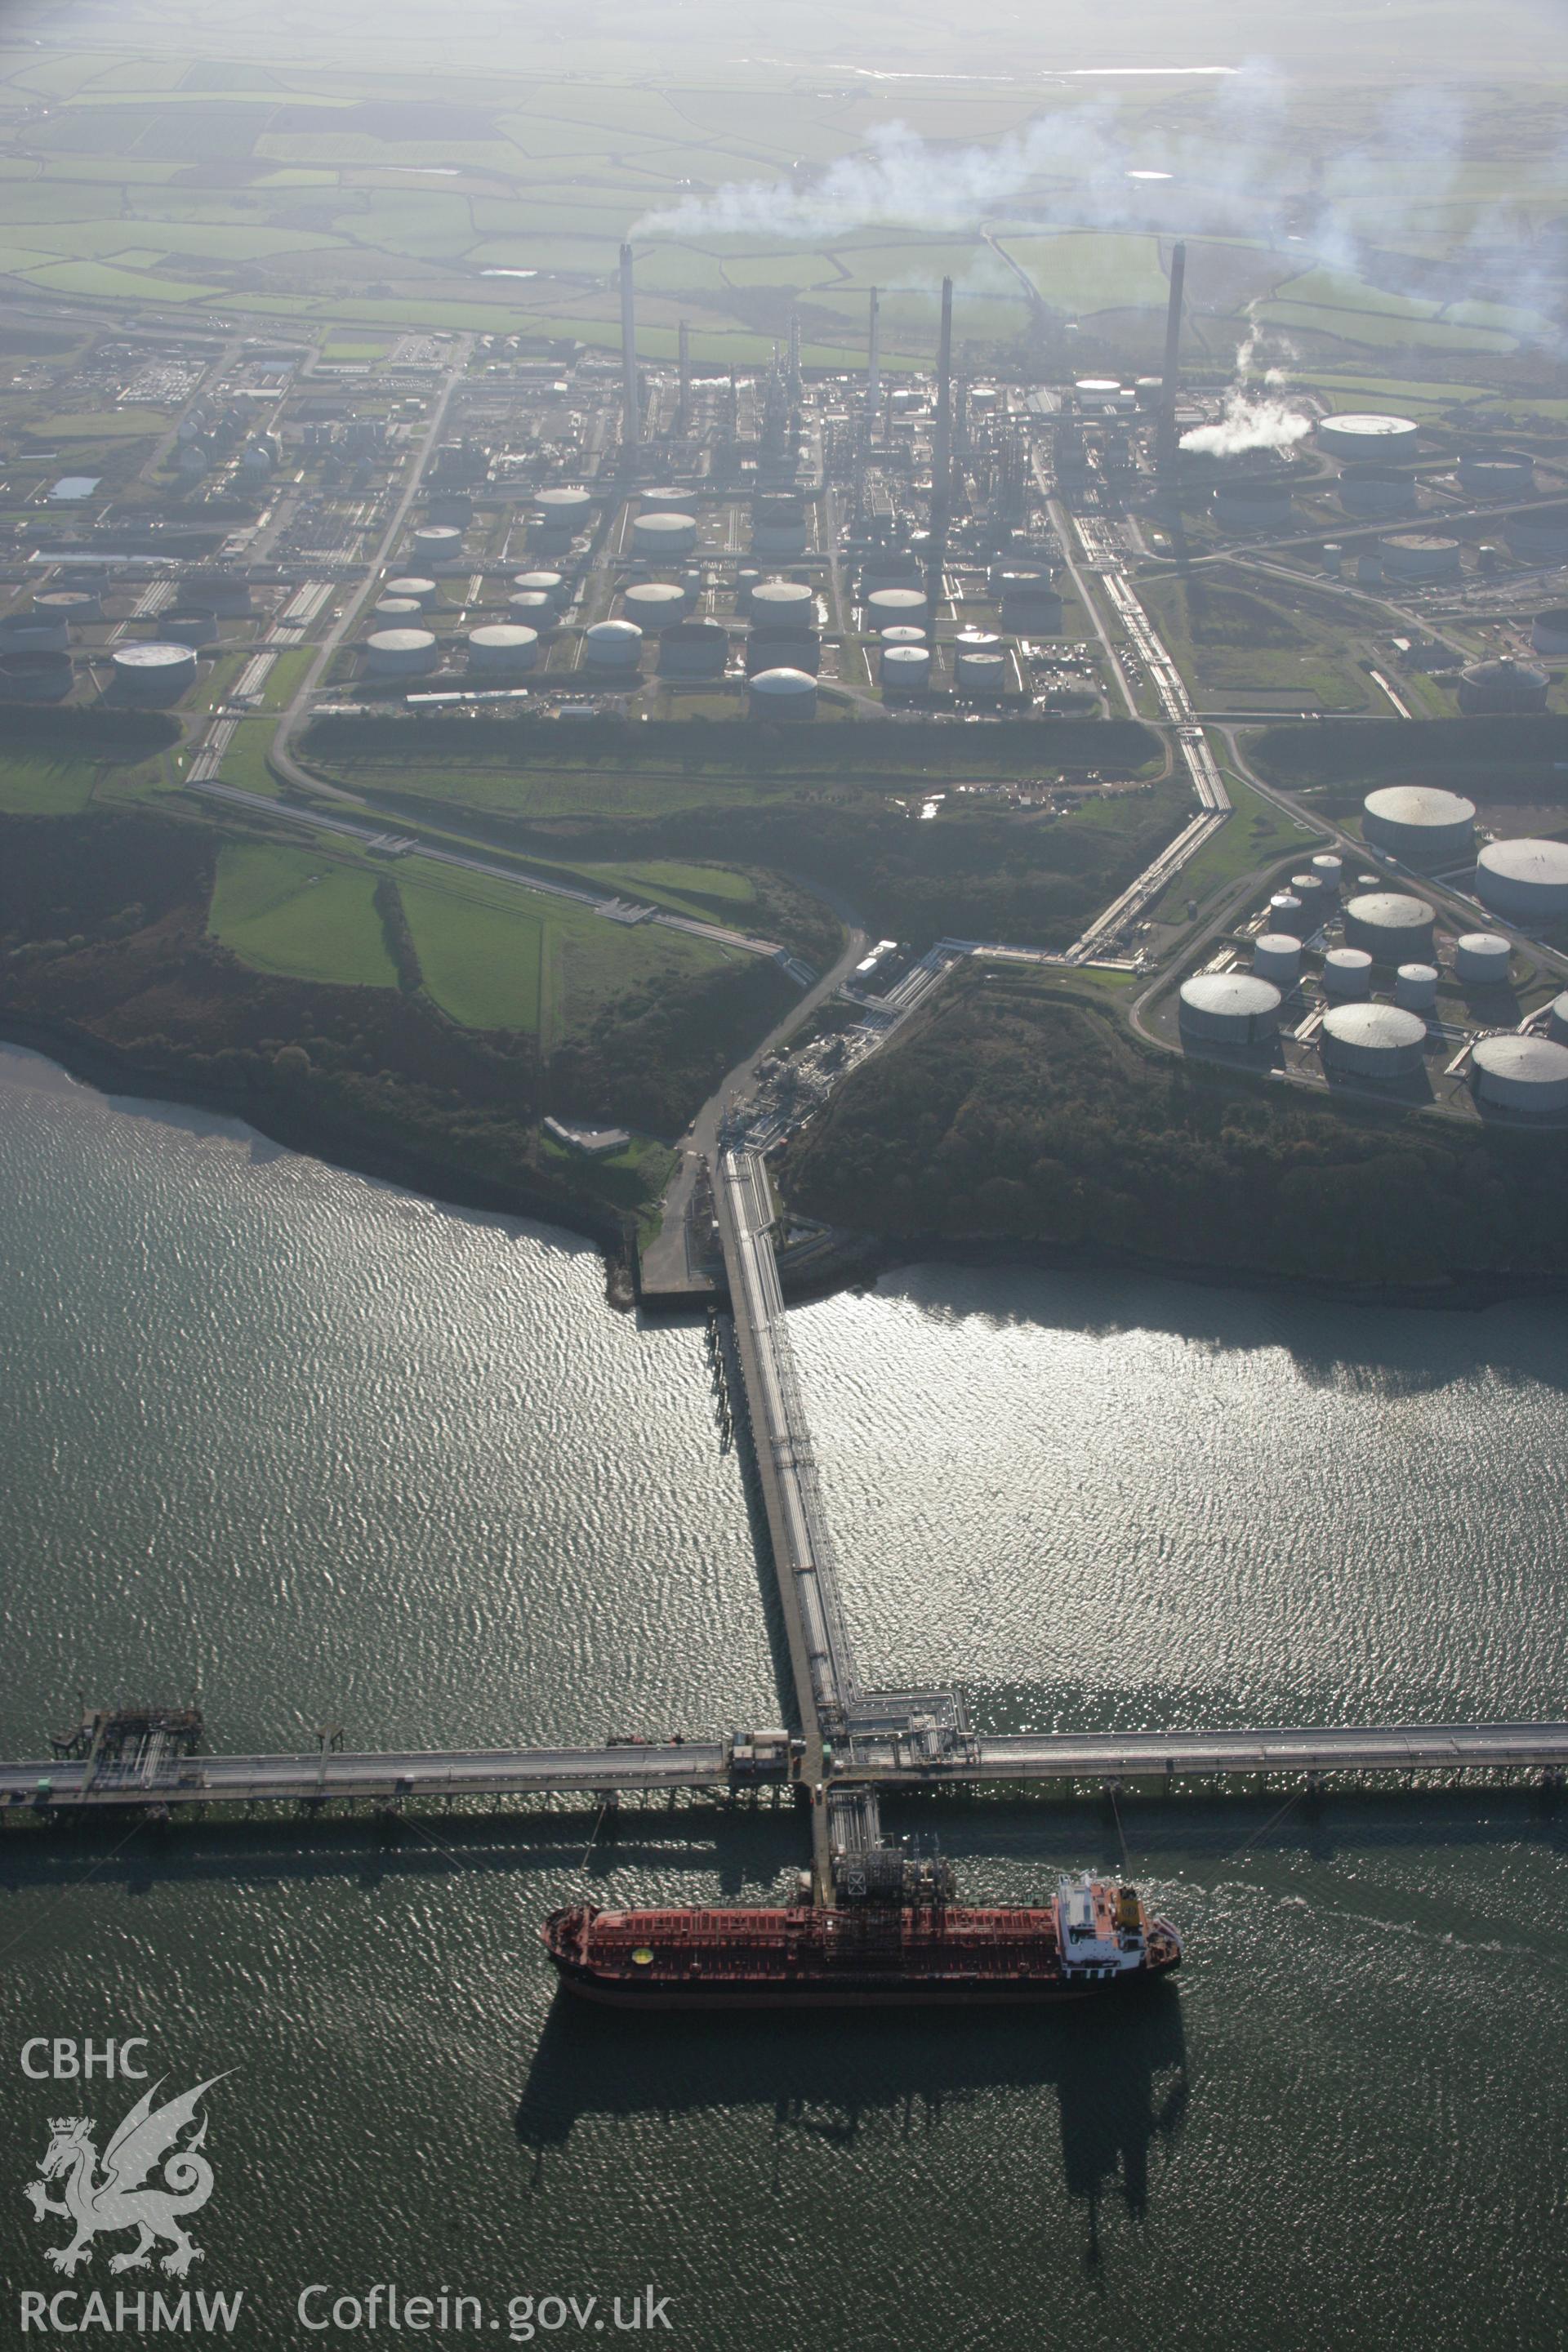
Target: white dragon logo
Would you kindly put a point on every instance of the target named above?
(117, 2199)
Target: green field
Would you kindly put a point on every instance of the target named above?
(298, 912)
(1257, 834)
(1245, 644)
(479, 947)
(299, 187)
(32, 784)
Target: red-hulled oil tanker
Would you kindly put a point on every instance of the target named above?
(1095, 1939)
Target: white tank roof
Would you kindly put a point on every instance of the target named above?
(609, 633)
(1481, 943)
(1527, 1061)
(784, 685)
(399, 641)
(1390, 911)
(153, 658)
(1238, 993)
(1418, 805)
(1387, 1028)
(1543, 865)
(503, 637)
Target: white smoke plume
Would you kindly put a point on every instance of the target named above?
(1252, 419)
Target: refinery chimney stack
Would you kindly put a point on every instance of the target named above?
(631, 418)
(1166, 439)
(874, 357)
(941, 449)
(683, 417)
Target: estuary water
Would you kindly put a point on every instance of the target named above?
(330, 1455)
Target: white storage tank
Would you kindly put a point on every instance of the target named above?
(783, 694)
(500, 646)
(906, 669)
(1347, 975)
(1314, 902)
(1286, 913)
(1097, 393)
(1392, 927)
(695, 650)
(781, 605)
(1416, 987)
(530, 609)
(660, 538)
(395, 612)
(655, 604)
(1549, 631)
(438, 543)
(906, 634)
(1373, 1041)
(1497, 473)
(1525, 1075)
(1229, 1008)
(887, 607)
(553, 584)
(1525, 879)
(1419, 825)
(560, 514)
(415, 587)
(153, 675)
(1481, 959)
(1417, 555)
(614, 647)
(982, 675)
(1330, 871)
(1369, 436)
(401, 653)
(75, 607)
(1495, 690)
(1275, 956)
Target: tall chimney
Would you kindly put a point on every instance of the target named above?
(941, 449)
(631, 418)
(874, 357)
(683, 414)
(1165, 438)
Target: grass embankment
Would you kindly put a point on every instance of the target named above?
(659, 813)
(337, 1041)
(1240, 647)
(298, 913)
(1257, 834)
(1522, 760)
(1009, 1113)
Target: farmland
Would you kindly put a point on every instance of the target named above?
(418, 199)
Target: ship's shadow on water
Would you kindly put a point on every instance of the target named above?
(1108, 2079)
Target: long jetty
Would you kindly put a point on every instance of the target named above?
(853, 1742)
(745, 1761)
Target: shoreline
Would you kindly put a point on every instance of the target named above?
(93, 1063)
(856, 1262)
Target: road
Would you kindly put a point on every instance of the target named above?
(317, 821)
(667, 1270)
(282, 759)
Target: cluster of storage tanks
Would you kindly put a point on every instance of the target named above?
(36, 643)
(1428, 829)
